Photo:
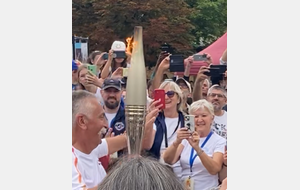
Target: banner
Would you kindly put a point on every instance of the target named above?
(80, 48)
(78, 51)
(84, 52)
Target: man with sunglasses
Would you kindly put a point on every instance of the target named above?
(218, 97)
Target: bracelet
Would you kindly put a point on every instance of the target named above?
(200, 151)
(225, 165)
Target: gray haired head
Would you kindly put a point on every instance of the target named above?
(217, 87)
(79, 103)
(140, 173)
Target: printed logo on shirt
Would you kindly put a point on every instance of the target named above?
(119, 126)
(220, 129)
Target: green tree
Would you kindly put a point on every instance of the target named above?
(83, 17)
(162, 21)
(209, 18)
(181, 23)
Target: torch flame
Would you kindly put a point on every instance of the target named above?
(129, 45)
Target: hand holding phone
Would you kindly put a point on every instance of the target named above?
(166, 48)
(105, 56)
(176, 63)
(222, 68)
(160, 94)
(213, 72)
(92, 69)
(198, 57)
(189, 122)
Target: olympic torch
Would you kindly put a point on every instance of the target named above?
(136, 97)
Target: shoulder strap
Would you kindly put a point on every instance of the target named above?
(176, 126)
(181, 118)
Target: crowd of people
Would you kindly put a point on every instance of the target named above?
(173, 157)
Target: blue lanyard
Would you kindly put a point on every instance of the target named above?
(192, 159)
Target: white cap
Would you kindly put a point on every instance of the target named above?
(186, 82)
(118, 46)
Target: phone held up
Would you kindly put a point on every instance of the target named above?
(105, 56)
(198, 57)
(166, 48)
(189, 122)
(92, 69)
(117, 54)
(216, 71)
(176, 63)
(160, 94)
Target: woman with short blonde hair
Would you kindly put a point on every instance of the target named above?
(199, 152)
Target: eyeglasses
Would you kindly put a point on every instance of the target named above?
(218, 95)
(170, 94)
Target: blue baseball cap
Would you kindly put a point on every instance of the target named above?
(74, 65)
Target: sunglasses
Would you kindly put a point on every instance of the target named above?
(170, 94)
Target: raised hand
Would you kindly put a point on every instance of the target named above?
(201, 76)
(182, 133)
(165, 63)
(194, 140)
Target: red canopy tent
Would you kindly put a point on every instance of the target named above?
(215, 50)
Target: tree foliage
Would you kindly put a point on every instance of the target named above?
(209, 18)
(177, 22)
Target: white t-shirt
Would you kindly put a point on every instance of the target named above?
(219, 125)
(148, 99)
(171, 124)
(202, 179)
(110, 117)
(87, 171)
(99, 96)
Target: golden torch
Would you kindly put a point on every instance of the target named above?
(136, 97)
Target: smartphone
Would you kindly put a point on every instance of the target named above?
(105, 56)
(167, 48)
(93, 69)
(176, 63)
(198, 57)
(125, 72)
(222, 68)
(160, 94)
(119, 54)
(213, 72)
(189, 122)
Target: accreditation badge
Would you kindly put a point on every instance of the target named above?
(189, 183)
